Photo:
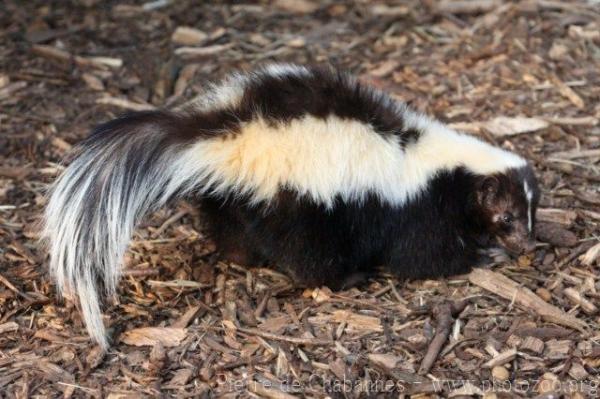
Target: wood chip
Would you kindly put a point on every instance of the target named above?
(188, 316)
(11, 88)
(177, 284)
(592, 255)
(297, 6)
(384, 69)
(578, 372)
(149, 336)
(193, 52)
(51, 52)
(389, 11)
(11, 326)
(556, 349)
(181, 377)
(104, 61)
(554, 215)
(466, 6)
(558, 51)
(508, 126)
(533, 345)
(93, 81)
(185, 75)
(187, 36)
(568, 93)
(500, 373)
(467, 390)
(577, 298)
(547, 385)
(4, 80)
(65, 56)
(502, 358)
(354, 321)
(124, 103)
(573, 121)
(508, 289)
(387, 361)
(556, 235)
(577, 154)
(277, 337)
(155, 5)
(94, 357)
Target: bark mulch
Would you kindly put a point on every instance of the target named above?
(521, 74)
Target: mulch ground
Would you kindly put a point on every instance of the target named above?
(524, 75)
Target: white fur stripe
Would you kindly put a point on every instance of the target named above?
(331, 157)
(94, 207)
(529, 196)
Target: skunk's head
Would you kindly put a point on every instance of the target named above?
(506, 204)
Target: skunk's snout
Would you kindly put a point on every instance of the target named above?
(517, 247)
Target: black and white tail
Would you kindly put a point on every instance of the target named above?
(125, 169)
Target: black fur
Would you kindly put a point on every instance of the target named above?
(278, 99)
(433, 235)
(324, 92)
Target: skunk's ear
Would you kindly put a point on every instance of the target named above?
(487, 189)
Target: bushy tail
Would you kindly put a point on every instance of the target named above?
(125, 169)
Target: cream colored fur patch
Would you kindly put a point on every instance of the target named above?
(324, 158)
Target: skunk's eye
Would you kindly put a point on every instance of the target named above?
(507, 218)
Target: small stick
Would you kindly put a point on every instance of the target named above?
(444, 314)
(153, 271)
(292, 340)
(169, 222)
(574, 254)
(506, 288)
(177, 284)
(124, 103)
(578, 299)
(14, 289)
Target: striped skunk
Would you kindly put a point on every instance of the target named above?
(307, 169)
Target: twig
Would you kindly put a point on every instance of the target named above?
(293, 340)
(65, 56)
(124, 103)
(177, 284)
(574, 121)
(508, 289)
(169, 222)
(14, 289)
(444, 314)
(574, 254)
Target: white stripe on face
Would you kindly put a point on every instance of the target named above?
(529, 196)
